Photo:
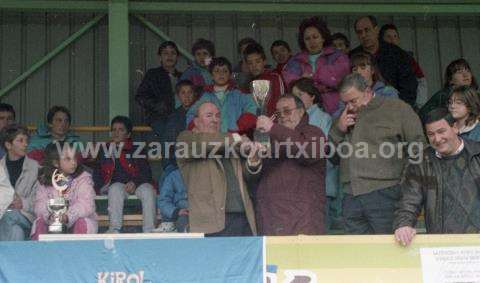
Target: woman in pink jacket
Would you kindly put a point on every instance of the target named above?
(80, 217)
(320, 61)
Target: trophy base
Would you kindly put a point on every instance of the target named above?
(56, 229)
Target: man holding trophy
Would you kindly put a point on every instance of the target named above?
(290, 198)
(65, 199)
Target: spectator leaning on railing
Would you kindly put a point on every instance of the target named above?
(445, 184)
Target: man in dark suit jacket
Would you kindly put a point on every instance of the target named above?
(392, 61)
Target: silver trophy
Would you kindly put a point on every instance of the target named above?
(58, 205)
(260, 92)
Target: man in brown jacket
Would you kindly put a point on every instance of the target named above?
(382, 132)
(290, 198)
(219, 203)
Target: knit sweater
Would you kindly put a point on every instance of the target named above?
(384, 120)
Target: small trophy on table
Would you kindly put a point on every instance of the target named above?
(58, 205)
(260, 91)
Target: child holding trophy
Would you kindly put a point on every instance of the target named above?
(65, 194)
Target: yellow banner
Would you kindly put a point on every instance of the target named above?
(351, 259)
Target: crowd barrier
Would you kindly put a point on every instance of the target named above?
(105, 258)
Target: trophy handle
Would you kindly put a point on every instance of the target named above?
(56, 177)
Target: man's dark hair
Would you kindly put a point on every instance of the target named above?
(438, 114)
(280, 43)
(202, 43)
(317, 23)
(183, 83)
(244, 41)
(55, 109)
(166, 44)
(5, 107)
(220, 61)
(298, 102)
(342, 37)
(123, 120)
(10, 132)
(254, 48)
(372, 19)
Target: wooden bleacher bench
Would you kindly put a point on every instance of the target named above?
(132, 211)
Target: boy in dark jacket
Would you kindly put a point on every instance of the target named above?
(172, 200)
(176, 122)
(156, 91)
(120, 173)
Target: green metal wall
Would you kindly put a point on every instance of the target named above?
(78, 77)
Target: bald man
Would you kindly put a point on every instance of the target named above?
(219, 203)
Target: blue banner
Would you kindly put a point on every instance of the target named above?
(113, 261)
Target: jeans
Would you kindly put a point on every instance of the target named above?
(14, 226)
(116, 199)
(370, 213)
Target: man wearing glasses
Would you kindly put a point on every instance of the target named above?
(290, 198)
(380, 133)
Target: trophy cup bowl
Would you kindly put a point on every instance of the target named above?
(58, 205)
(260, 91)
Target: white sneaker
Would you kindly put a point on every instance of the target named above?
(165, 227)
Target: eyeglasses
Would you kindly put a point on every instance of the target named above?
(284, 112)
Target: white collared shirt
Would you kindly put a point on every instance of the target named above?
(459, 149)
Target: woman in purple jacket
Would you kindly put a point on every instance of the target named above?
(319, 61)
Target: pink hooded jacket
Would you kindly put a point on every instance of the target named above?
(331, 66)
(81, 197)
